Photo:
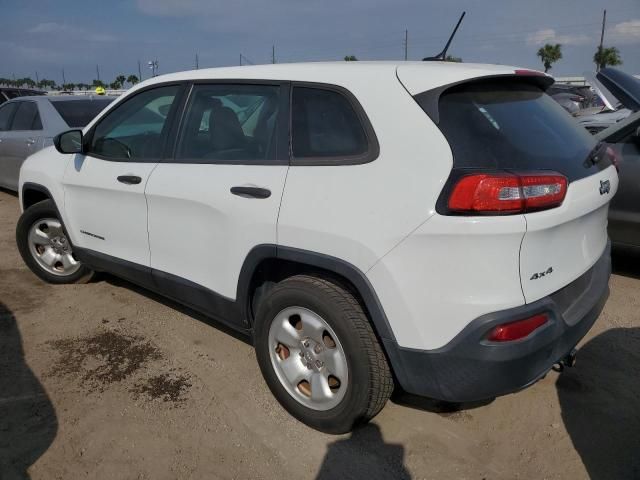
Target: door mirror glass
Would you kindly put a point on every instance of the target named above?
(69, 142)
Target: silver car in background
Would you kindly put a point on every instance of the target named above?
(28, 124)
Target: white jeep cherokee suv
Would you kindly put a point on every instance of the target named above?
(433, 226)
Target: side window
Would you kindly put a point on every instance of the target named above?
(6, 114)
(26, 117)
(229, 122)
(324, 124)
(135, 129)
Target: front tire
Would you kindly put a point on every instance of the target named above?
(319, 355)
(45, 247)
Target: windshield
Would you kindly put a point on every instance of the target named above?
(508, 125)
(78, 113)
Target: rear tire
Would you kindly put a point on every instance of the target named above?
(311, 332)
(45, 246)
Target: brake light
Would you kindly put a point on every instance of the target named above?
(533, 73)
(507, 193)
(509, 332)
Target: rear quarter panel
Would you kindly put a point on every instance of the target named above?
(360, 212)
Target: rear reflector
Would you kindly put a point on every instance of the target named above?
(506, 193)
(517, 330)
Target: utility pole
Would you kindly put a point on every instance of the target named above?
(240, 59)
(64, 80)
(604, 20)
(97, 72)
(273, 54)
(37, 79)
(197, 66)
(406, 44)
(139, 71)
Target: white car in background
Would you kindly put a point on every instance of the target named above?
(433, 226)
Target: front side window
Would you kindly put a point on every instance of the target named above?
(135, 129)
(6, 114)
(230, 122)
(26, 117)
(325, 124)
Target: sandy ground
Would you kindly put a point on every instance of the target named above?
(107, 381)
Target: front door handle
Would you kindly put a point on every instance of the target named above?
(129, 179)
(251, 192)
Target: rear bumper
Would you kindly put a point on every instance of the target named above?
(469, 368)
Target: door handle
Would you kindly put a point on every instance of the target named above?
(129, 179)
(30, 141)
(251, 192)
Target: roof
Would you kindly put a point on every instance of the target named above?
(416, 76)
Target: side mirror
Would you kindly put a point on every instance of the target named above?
(69, 142)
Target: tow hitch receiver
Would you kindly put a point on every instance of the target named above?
(568, 361)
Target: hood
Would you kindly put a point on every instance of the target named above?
(616, 88)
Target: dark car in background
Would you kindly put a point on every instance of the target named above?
(28, 124)
(622, 141)
(8, 93)
(620, 95)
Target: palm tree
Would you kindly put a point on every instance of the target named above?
(350, 58)
(97, 83)
(121, 79)
(132, 79)
(605, 56)
(550, 54)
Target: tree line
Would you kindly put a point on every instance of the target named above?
(45, 84)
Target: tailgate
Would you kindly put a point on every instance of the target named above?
(563, 243)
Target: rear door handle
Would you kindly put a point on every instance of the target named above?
(30, 141)
(251, 192)
(129, 179)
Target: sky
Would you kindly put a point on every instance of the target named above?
(48, 36)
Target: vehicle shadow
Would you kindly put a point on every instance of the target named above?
(28, 422)
(364, 454)
(119, 282)
(600, 402)
(626, 261)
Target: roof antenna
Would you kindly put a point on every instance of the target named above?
(443, 54)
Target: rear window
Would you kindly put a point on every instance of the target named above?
(512, 126)
(78, 113)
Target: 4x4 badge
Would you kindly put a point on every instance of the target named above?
(605, 186)
(538, 275)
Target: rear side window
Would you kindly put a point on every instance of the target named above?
(78, 113)
(6, 113)
(509, 125)
(26, 117)
(325, 125)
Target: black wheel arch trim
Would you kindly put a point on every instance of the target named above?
(38, 188)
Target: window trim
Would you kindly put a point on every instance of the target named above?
(176, 108)
(373, 147)
(283, 148)
(19, 102)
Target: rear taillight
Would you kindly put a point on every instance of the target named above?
(507, 193)
(509, 332)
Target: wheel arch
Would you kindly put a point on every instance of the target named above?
(33, 193)
(267, 264)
